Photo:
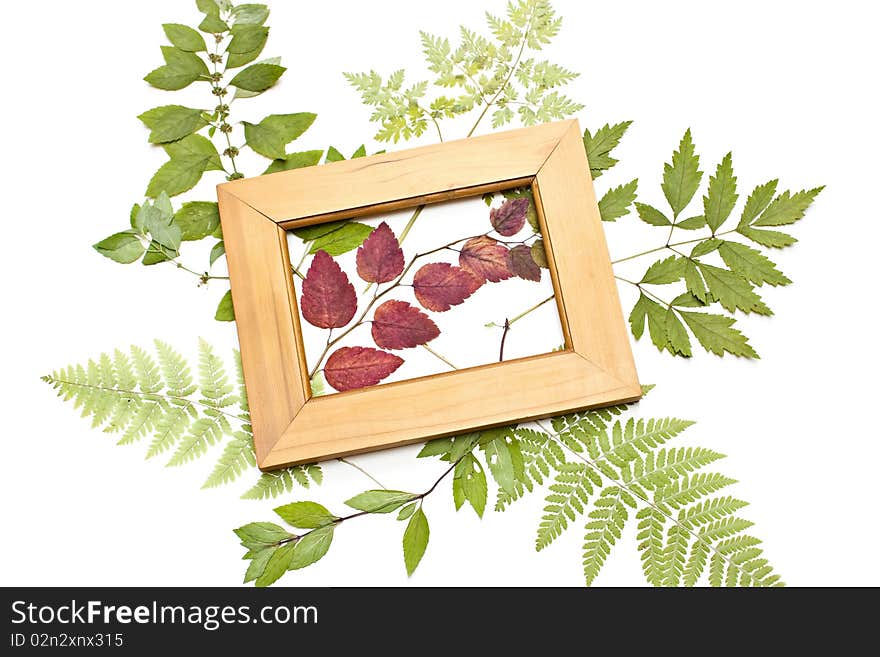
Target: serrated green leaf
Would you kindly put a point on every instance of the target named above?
(345, 239)
(692, 223)
(415, 540)
(705, 247)
(407, 511)
(190, 158)
(499, 459)
(787, 208)
(180, 70)
(213, 24)
(598, 146)
(380, 501)
(197, 220)
(757, 202)
(311, 548)
(295, 161)
(732, 291)
(716, 334)
(751, 264)
(257, 77)
(258, 534)
(124, 247)
(678, 341)
(172, 122)
(651, 215)
(334, 155)
(769, 238)
(694, 282)
(184, 37)
(247, 38)
(276, 565)
(655, 314)
(682, 176)
(663, 272)
(687, 300)
(721, 197)
(270, 136)
(617, 201)
(258, 564)
(216, 251)
(469, 484)
(157, 253)
(250, 14)
(225, 311)
(305, 515)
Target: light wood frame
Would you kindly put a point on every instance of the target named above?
(596, 367)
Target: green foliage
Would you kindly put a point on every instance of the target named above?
(137, 394)
(599, 470)
(499, 73)
(719, 272)
(199, 141)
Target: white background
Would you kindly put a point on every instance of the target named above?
(790, 86)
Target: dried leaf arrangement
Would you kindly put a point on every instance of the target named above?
(593, 465)
(329, 300)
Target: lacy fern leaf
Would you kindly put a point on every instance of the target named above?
(138, 394)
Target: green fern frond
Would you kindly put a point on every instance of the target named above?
(604, 528)
(276, 483)
(568, 497)
(688, 489)
(137, 393)
(654, 559)
(238, 456)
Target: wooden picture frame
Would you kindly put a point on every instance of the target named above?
(596, 367)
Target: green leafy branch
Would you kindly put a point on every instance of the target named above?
(592, 466)
(478, 74)
(237, 36)
(718, 270)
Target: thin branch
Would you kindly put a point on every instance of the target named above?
(362, 471)
(440, 356)
(503, 339)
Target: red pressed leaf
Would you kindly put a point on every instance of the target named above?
(398, 325)
(358, 367)
(522, 263)
(485, 258)
(380, 258)
(510, 217)
(439, 286)
(328, 299)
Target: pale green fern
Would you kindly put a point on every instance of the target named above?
(607, 472)
(136, 394)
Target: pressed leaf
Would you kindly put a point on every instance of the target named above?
(499, 458)
(751, 264)
(757, 202)
(539, 254)
(721, 197)
(349, 237)
(305, 515)
(216, 251)
(294, 161)
(380, 258)
(655, 314)
(311, 548)
(276, 565)
(180, 70)
(773, 239)
(732, 291)
(678, 341)
(247, 39)
(328, 298)
(663, 272)
(124, 247)
(257, 534)
(225, 311)
(197, 220)
(172, 122)
(523, 264)
(510, 218)
(469, 484)
(270, 136)
(617, 201)
(787, 208)
(398, 325)
(599, 146)
(716, 334)
(350, 368)
(380, 501)
(651, 215)
(250, 14)
(438, 286)
(309, 233)
(682, 176)
(257, 77)
(485, 258)
(184, 37)
(415, 540)
(692, 223)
